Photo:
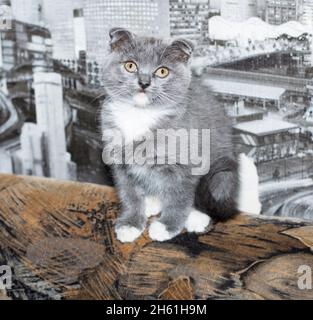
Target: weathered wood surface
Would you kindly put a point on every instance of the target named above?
(58, 239)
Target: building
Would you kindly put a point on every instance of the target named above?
(65, 20)
(239, 112)
(48, 140)
(5, 2)
(5, 15)
(238, 10)
(215, 4)
(29, 11)
(25, 44)
(30, 157)
(267, 140)
(149, 17)
(254, 94)
(281, 11)
(309, 114)
(6, 163)
(261, 8)
(190, 19)
(307, 13)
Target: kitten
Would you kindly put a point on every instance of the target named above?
(150, 87)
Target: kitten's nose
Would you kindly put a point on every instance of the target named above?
(144, 81)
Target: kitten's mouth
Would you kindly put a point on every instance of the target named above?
(141, 98)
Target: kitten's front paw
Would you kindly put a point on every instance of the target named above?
(127, 233)
(158, 232)
(197, 222)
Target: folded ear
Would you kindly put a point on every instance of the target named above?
(119, 38)
(181, 50)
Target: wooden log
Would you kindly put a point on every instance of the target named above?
(58, 239)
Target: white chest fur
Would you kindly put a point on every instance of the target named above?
(133, 121)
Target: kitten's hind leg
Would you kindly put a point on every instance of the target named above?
(197, 222)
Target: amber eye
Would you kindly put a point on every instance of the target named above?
(131, 67)
(162, 72)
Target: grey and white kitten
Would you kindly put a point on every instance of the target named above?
(150, 87)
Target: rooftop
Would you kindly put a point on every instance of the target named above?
(246, 90)
(265, 127)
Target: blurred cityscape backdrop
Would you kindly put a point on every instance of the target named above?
(257, 55)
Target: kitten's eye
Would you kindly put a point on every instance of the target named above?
(162, 72)
(131, 67)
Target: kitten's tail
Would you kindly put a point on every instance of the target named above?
(248, 196)
(230, 188)
(247, 199)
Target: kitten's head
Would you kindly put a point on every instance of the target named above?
(148, 71)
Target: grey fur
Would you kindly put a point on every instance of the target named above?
(187, 104)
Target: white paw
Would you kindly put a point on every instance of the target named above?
(248, 199)
(153, 206)
(127, 234)
(158, 232)
(197, 222)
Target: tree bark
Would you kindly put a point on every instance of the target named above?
(59, 240)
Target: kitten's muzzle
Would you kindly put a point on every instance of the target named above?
(144, 81)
